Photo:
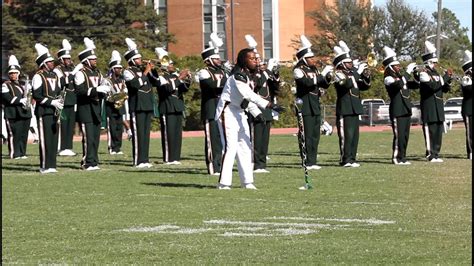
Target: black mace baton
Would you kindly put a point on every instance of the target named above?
(302, 144)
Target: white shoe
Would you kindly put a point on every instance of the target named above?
(92, 168)
(66, 152)
(268, 158)
(313, 167)
(17, 158)
(355, 165)
(119, 152)
(347, 165)
(261, 171)
(112, 153)
(24, 157)
(143, 165)
(224, 187)
(305, 187)
(249, 186)
(406, 163)
(173, 163)
(149, 165)
(216, 173)
(52, 170)
(436, 160)
(49, 170)
(396, 162)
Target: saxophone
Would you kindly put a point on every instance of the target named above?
(118, 98)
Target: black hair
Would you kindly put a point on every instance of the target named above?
(241, 64)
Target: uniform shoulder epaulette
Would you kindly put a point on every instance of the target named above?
(240, 77)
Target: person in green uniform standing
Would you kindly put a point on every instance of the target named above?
(140, 102)
(46, 91)
(68, 120)
(432, 87)
(171, 91)
(349, 81)
(90, 92)
(15, 104)
(466, 109)
(397, 83)
(212, 79)
(311, 84)
(115, 105)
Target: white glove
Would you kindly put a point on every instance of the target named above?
(340, 77)
(103, 89)
(326, 70)
(23, 101)
(361, 68)
(293, 90)
(77, 68)
(57, 103)
(411, 67)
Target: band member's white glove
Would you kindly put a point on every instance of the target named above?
(23, 101)
(57, 103)
(103, 89)
(340, 76)
(77, 68)
(411, 67)
(326, 70)
(361, 68)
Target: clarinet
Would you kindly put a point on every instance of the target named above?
(302, 144)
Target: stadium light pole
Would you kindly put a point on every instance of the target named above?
(438, 28)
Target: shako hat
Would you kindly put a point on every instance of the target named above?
(467, 61)
(390, 58)
(43, 55)
(132, 51)
(65, 52)
(430, 53)
(213, 50)
(115, 60)
(341, 54)
(305, 50)
(13, 65)
(87, 53)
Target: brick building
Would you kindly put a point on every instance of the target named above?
(273, 24)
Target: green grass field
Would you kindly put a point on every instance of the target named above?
(376, 214)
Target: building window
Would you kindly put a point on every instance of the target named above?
(267, 29)
(214, 19)
(161, 7)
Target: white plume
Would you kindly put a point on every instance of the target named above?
(217, 41)
(389, 52)
(41, 49)
(115, 56)
(12, 61)
(131, 44)
(344, 46)
(160, 52)
(66, 45)
(467, 56)
(429, 47)
(338, 50)
(251, 41)
(89, 43)
(305, 43)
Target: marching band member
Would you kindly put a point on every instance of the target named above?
(466, 109)
(310, 86)
(212, 79)
(89, 91)
(46, 91)
(349, 82)
(171, 106)
(17, 111)
(237, 96)
(115, 110)
(397, 83)
(140, 103)
(432, 86)
(67, 125)
(266, 86)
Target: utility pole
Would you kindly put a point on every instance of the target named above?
(438, 29)
(232, 29)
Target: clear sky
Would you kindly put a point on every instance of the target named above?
(461, 8)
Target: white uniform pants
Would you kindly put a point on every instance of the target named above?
(235, 135)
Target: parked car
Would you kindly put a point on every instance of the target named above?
(375, 112)
(452, 109)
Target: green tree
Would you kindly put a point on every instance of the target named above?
(457, 41)
(350, 21)
(106, 22)
(401, 28)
